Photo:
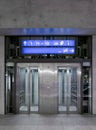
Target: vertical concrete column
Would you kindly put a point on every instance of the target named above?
(2, 74)
(94, 73)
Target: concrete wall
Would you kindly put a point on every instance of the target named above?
(94, 74)
(1, 75)
(47, 13)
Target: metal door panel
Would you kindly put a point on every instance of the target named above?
(48, 88)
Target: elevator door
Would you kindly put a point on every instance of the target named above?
(69, 89)
(27, 89)
(59, 88)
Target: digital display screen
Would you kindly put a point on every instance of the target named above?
(31, 47)
(53, 43)
(59, 50)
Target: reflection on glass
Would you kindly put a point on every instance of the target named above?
(9, 87)
(28, 86)
(62, 89)
(86, 91)
(23, 89)
(33, 90)
(68, 89)
(73, 89)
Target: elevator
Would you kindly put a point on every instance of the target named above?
(69, 89)
(27, 90)
(48, 88)
(48, 74)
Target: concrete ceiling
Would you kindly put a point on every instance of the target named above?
(48, 31)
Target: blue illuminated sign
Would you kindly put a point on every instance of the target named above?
(30, 47)
(62, 43)
(52, 50)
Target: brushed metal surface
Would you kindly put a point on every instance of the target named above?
(48, 88)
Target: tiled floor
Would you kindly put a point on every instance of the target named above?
(47, 122)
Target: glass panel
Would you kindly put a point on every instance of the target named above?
(23, 92)
(86, 91)
(33, 90)
(9, 87)
(62, 73)
(72, 81)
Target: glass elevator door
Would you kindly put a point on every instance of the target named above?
(69, 89)
(27, 89)
(33, 89)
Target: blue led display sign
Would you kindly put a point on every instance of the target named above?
(30, 47)
(59, 50)
(61, 43)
